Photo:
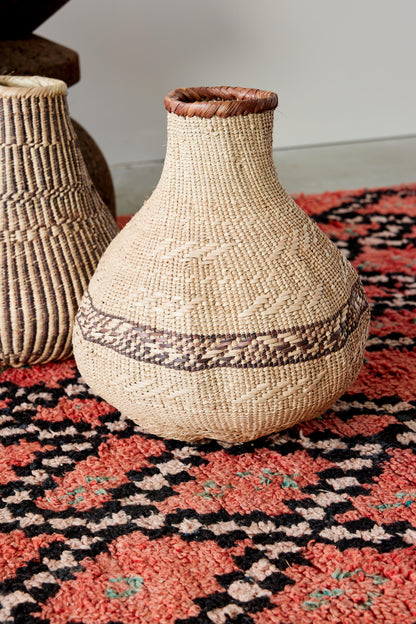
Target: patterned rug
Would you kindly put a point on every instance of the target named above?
(102, 523)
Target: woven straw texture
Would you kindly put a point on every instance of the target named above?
(221, 310)
(53, 225)
(101, 523)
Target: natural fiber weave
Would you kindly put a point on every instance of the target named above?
(221, 310)
(53, 225)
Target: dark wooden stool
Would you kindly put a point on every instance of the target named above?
(22, 53)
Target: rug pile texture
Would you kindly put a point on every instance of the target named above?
(101, 523)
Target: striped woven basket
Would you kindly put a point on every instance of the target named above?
(53, 225)
(221, 310)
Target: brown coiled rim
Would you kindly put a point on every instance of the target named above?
(219, 101)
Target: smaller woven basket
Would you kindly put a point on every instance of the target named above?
(53, 225)
(221, 310)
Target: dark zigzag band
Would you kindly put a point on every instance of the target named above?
(194, 352)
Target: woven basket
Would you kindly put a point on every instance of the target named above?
(53, 225)
(221, 310)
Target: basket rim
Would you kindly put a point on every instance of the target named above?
(31, 86)
(222, 101)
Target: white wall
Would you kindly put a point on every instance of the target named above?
(343, 70)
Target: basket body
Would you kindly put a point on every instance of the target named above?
(54, 226)
(221, 310)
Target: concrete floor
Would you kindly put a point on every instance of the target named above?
(301, 170)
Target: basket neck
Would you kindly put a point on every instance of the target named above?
(205, 157)
(38, 145)
(34, 120)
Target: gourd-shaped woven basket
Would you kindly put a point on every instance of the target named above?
(221, 310)
(54, 227)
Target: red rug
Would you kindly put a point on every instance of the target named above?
(102, 523)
